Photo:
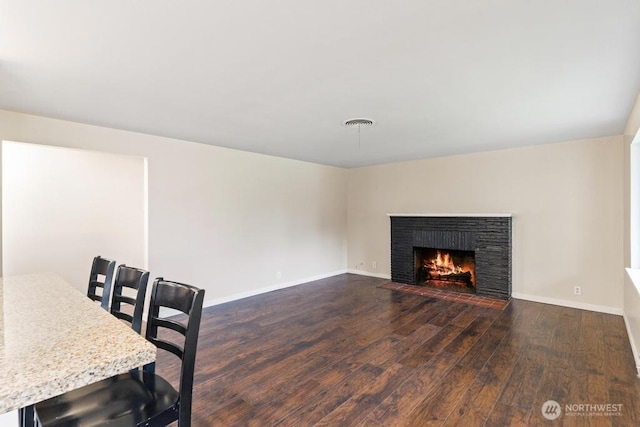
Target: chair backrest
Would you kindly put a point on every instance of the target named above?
(131, 278)
(101, 267)
(188, 300)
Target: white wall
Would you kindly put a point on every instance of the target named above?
(221, 219)
(566, 199)
(632, 230)
(61, 207)
(229, 221)
(633, 122)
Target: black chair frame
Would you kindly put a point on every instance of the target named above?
(136, 279)
(105, 267)
(140, 397)
(188, 300)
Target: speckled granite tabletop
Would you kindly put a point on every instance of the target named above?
(54, 339)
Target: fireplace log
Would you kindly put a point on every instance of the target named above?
(453, 277)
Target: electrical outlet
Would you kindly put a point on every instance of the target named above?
(577, 290)
(374, 264)
(279, 275)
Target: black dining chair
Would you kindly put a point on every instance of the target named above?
(101, 277)
(140, 397)
(123, 305)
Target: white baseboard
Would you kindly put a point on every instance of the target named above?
(369, 274)
(264, 290)
(634, 349)
(572, 304)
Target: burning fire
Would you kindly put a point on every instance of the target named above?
(443, 264)
(442, 267)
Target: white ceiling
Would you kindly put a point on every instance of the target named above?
(279, 77)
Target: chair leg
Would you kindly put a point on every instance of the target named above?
(26, 416)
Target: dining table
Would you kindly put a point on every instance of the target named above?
(54, 339)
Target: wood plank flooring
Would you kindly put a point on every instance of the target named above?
(343, 352)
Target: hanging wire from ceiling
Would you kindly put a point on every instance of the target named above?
(359, 123)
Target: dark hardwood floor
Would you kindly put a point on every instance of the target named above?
(341, 352)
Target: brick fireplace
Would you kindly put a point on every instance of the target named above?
(487, 237)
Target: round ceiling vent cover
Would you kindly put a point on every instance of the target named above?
(358, 122)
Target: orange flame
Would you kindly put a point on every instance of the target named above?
(443, 265)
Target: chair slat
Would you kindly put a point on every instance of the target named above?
(169, 324)
(168, 346)
(122, 298)
(123, 316)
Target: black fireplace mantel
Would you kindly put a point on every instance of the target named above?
(489, 235)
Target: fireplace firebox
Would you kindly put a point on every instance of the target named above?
(445, 269)
(483, 240)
